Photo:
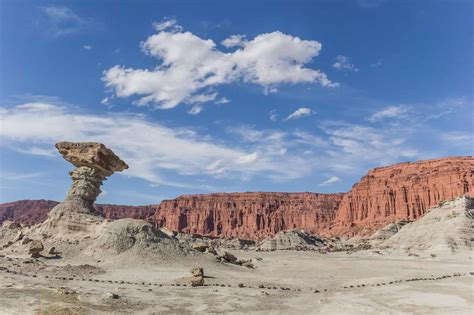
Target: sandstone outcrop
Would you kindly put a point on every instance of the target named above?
(402, 192)
(29, 212)
(94, 162)
(248, 215)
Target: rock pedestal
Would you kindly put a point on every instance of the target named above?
(94, 163)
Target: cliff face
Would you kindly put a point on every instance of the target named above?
(402, 191)
(248, 215)
(28, 212)
(31, 212)
(384, 195)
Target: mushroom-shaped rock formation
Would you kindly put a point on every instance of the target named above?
(94, 163)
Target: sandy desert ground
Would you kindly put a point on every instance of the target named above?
(284, 282)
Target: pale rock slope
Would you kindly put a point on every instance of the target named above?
(443, 231)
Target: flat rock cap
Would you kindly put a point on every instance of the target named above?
(91, 154)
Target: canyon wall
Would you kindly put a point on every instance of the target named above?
(31, 212)
(384, 195)
(248, 215)
(402, 191)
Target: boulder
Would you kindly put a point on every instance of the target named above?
(229, 257)
(201, 247)
(36, 248)
(197, 281)
(65, 291)
(110, 296)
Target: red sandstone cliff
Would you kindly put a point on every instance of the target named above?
(31, 212)
(248, 215)
(402, 191)
(28, 212)
(384, 195)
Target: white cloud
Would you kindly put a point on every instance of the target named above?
(190, 66)
(167, 24)
(38, 106)
(62, 20)
(352, 145)
(331, 180)
(249, 158)
(392, 112)
(196, 109)
(343, 64)
(223, 100)
(234, 40)
(105, 101)
(87, 47)
(300, 112)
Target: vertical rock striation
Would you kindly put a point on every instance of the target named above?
(248, 215)
(402, 192)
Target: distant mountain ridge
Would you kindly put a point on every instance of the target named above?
(384, 195)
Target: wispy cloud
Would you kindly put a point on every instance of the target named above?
(150, 148)
(299, 113)
(87, 47)
(222, 100)
(331, 180)
(391, 112)
(62, 20)
(13, 176)
(273, 115)
(458, 138)
(343, 63)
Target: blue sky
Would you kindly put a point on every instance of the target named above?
(231, 96)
